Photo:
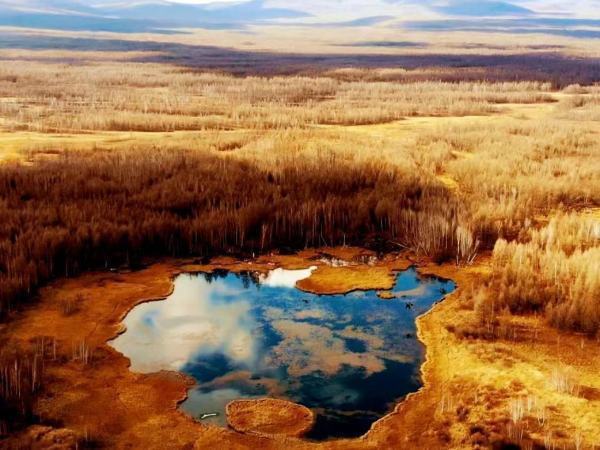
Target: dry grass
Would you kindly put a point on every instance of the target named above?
(502, 171)
(135, 97)
(341, 280)
(349, 156)
(584, 105)
(524, 388)
(555, 272)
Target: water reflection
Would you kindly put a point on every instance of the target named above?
(348, 357)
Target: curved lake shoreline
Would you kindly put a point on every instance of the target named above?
(106, 401)
(349, 357)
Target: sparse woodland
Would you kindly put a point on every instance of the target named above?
(292, 177)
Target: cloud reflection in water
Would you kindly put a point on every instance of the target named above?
(349, 357)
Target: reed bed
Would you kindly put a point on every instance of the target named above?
(266, 163)
(128, 96)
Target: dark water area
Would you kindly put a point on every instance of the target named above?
(350, 358)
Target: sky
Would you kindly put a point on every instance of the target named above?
(144, 15)
(575, 8)
(581, 8)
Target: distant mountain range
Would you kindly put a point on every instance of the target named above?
(137, 16)
(170, 16)
(483, 9)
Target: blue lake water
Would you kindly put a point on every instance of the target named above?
(350, 358)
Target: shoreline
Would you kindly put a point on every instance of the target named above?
(85, 402)
(400, 265)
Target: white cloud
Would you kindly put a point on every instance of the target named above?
(168, 334)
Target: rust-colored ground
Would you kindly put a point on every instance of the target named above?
(270, 417)
(476, 392)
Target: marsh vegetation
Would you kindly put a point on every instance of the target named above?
(140, 97)
(163, 160)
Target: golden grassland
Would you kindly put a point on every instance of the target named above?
(510, 174)
(135, 97)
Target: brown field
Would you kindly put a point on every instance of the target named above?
(122, 157)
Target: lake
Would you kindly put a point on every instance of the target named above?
(350, 358)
